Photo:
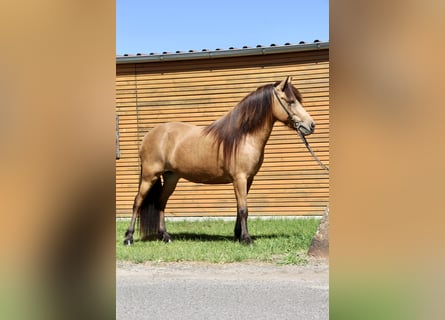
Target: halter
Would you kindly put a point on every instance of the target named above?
(297, 125)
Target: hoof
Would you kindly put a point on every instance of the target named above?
(246, 240)
(128, 242)
(165, 237)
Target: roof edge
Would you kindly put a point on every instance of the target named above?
(221, 53)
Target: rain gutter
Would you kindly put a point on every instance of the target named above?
(207, 54)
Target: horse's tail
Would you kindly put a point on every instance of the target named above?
(149, 213)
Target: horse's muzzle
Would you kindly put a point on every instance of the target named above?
(303, 129)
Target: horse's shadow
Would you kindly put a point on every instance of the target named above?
(204, 237)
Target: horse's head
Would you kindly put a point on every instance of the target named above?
(288, 108)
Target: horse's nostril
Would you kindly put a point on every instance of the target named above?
(312, 125)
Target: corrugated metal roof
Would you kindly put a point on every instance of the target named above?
(221, 53)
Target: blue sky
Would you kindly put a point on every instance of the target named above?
(158, 26)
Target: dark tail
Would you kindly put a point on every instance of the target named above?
(149, 216)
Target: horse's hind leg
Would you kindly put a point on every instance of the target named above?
(144, 186)
(170, 181)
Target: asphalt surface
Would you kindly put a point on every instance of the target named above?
(226, 291)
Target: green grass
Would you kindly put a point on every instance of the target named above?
(280, 241)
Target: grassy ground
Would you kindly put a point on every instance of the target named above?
(281, 241)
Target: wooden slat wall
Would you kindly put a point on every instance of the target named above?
(290, 182)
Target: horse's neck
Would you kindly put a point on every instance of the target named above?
(262, 135)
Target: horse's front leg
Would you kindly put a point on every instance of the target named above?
(241, 187)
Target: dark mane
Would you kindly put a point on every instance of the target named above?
(247, 117)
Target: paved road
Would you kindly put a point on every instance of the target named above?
(228, 291)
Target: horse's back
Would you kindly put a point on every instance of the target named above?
(165, 136)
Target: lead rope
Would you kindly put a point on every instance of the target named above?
(300, 134)
(311, 151)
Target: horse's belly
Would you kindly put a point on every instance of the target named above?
(197, 178)
(201, 171)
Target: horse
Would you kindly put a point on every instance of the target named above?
(229, 150)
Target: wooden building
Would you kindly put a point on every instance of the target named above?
(199, 87)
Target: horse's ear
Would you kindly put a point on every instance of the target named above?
(289, 79)
(284, 83)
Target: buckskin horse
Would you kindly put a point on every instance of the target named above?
(229, 150)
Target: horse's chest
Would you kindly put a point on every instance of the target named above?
(249, 160)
